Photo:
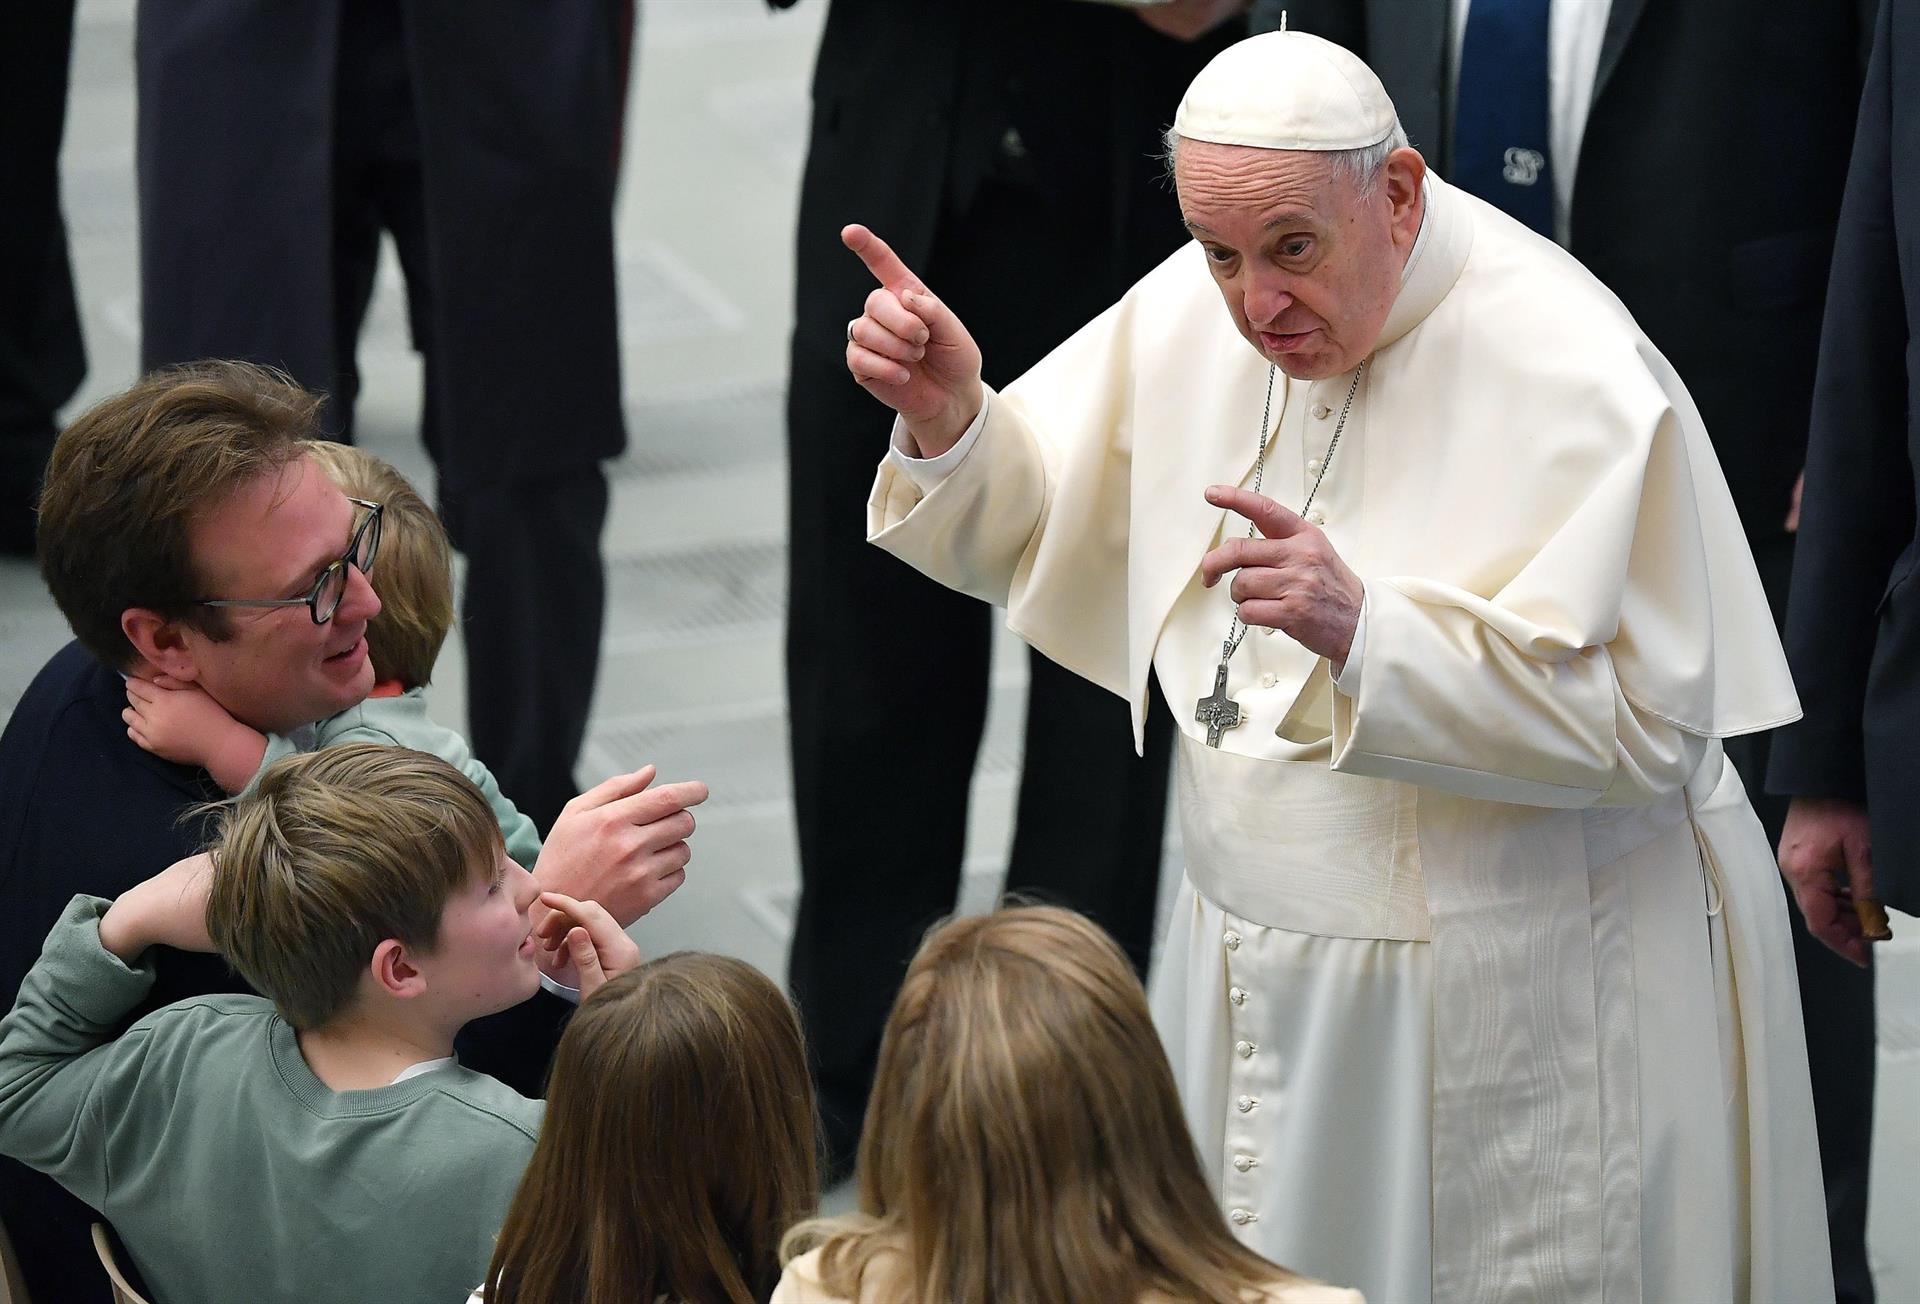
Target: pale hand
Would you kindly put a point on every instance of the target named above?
(581, 945)
(1826, 856)
(909, 351)
(1288, 576)
(169, 909)
(179, 722)
(1189, 20)
(623, 844)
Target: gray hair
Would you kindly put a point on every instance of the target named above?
(1363, 166)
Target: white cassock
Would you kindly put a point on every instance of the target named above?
(1479, 986)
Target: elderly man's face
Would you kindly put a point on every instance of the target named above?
(1308, 261)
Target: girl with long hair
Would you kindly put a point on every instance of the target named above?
(1025, 1143)
(678, 1145)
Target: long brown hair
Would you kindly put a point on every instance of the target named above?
(1024, 1143)
(678, 1145)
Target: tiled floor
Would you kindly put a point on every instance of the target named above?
(691, 673)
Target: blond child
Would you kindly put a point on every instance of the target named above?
(679, 1137)
(319, 1143)
(1025, 1143)
(181, 723)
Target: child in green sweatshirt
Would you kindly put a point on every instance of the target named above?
(320, 1143)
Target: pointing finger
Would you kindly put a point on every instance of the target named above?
(1268, 517)
(879, 258)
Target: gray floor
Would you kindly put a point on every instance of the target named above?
(691, 671)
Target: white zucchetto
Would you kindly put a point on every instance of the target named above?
(1286, 90)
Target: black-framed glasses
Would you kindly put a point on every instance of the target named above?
(324, 600)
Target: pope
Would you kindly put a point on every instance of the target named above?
(1479, 984)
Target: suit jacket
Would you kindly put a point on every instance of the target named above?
(914, 113)
(1705, 195)
(1853, 622)
(82, 809)
(510, 112)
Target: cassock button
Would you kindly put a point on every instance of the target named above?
(1241, 1217)
(1268, 630)
(1244, 1049)
(1244, 1162)
(1321, 411)
(1316, 517)
(1237, 995)
(1313, 466)
(1246, 1103)
(1232, 939)
(1011, 145)
(1268, 681)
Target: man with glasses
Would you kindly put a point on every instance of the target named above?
(185, 533)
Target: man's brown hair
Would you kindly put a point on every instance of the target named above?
(335, 852)
(679, 1135)
(415, 565)
(129, 476)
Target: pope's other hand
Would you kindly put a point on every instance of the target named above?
(1288, 576)
(909, 351)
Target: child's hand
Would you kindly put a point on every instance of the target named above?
(581, 945)
(178, 722)
(169, 909)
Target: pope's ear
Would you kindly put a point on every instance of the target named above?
(1405, 172)
(160, 642)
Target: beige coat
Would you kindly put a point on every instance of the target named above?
(800, 1284)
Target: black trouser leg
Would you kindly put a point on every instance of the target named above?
(1092, 815)
(534, 600)
(1836, 1006)
(42, 358)
(887, 688)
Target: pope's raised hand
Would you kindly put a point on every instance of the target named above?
(1287, 577)
(909, 351)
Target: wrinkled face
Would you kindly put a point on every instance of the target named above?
(271, 539)
(483, 961)
(1309, 263)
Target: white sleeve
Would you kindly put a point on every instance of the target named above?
(927, 472)
(1348, 680)
(571, 995)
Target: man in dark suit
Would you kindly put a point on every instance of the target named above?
(1023, 175)
(276, 143)
(191, 486)
(1852, 765)
(1691, 154)
(42, 357)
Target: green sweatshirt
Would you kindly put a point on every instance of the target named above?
(403, 722)
(230, 1171)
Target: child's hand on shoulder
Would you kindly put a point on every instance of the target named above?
(169, 909)
(179, 722)
(581, 945)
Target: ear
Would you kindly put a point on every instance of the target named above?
(160, 642)
(1406, 172)
(395, 973)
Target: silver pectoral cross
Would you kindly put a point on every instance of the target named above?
(1217, 711)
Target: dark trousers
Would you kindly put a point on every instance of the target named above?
(535, 591)
(887, 678)
(42, 358)
(1837, 1006)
